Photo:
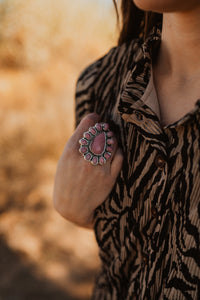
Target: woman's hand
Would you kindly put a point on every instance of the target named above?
(81, 187)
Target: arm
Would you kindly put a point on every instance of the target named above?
(79, 186)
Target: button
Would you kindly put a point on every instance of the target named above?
(160, 162)
(139, 116)
(154, 211)
(144, 259)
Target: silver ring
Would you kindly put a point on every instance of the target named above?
(96, 144)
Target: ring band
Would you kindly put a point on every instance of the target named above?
(96, 144)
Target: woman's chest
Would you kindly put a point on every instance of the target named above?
(174, 107)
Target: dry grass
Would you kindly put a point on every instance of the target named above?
(43, 47)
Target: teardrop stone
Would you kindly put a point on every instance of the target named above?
(102, 160)
(110, 134)
(87, 135)
(98, 126)
(83, 150)
(109, 149)
(95, 160)
(107, 155)
(105, 126)
(98, 144)
(88, 156)
(92, 130)
(83, 142)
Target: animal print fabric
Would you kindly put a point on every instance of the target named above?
(148, 230)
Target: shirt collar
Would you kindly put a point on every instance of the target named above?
(130, 102)
(138, 77)
(131, 106)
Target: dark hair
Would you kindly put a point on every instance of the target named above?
(136, 23)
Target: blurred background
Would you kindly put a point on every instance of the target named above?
(44, 45)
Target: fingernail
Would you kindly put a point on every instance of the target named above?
(110, 134)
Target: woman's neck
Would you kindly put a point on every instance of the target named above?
(180, 47)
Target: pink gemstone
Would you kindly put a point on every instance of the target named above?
(88, 156)
(105, 126)
(98, 126)
(110, 134)
(98, 144)
(83, 150)
(109, 149)
(92, 130)
(87, 135)
(83, 142)
(110, 141)
(102, 160)
(95, 160)
(107, 155)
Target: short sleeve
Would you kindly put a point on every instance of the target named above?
(85, 91)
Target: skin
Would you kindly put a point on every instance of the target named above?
(177, 69)
(79, 186)
(162, 6)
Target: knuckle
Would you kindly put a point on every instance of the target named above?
(88, 169)
(87, 121)
(104, 173)
(84, 170)
(92, 117)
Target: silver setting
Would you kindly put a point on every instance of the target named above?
(87, 140)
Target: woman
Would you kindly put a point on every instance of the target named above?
(144, 204)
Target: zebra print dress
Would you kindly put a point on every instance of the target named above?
(148, 230)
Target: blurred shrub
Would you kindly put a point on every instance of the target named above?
(44, 44)
(32, 31)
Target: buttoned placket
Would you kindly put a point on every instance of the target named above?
(138, 119)
(144, 125)
(135, 112)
